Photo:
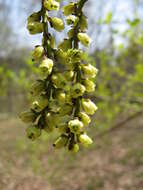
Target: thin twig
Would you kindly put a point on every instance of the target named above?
(120, 124)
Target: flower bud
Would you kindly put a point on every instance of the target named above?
(72, 20)
(77, 90)
(69, 9)
(50, 123)
(75, 126)
(75, 148)
(59, 80)
(84, 118)
(38, 52)
(37, 88)
(65, 110)
(46, 66)
(35, 17)
(28, 116)
(83, 23)
(75, 55)
(89, 85)
(51, 5)
(62, 123)
(57, 23)
(85, 140)
(61, 97)
(88, 106)
(52, 41)
(35, 27)
(61, 141)
(89, 70)
(69, 75)
(84, 39)
(54, 106)
(61, 56)
(71, 33)
(42, 101)
(36, 107)
(33, 132)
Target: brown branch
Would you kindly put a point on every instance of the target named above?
(120, 124)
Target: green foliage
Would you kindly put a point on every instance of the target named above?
(108, 17)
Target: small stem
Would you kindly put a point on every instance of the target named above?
(78, 13)
(46, 45)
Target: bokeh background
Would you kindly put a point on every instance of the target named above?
(115, 160)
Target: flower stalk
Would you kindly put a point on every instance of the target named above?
(58, 94)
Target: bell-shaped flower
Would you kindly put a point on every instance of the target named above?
(84, 39)
(46, 67)
(89, 70)
(77, 90)
(51, 5)
(84, 118)
(57, 23)
(69, 9)
(33, 132)
(75, 126)
(85, 140)
(28, 116)
(89, 85)
(88, 106)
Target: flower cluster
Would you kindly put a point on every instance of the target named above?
(59, 93)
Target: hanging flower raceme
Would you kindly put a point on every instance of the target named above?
(59, 101)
